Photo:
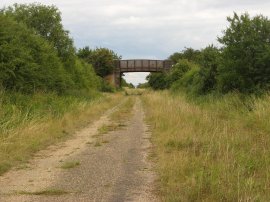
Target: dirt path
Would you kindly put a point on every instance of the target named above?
(115, 171)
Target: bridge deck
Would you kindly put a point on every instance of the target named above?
(143, 65)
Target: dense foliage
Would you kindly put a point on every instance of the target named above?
(28, 62)
(143, 85)
(102, 59)
(157, 81)
(242, 64)
(246, 56)
(46, 22)
(124, 83)
(36, 53)
(189, 54)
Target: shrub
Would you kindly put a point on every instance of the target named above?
(178, 71)
(246, 55)
(27, 62)
(188, 83)
(46, 21)
(189, 54)
(102, 59)
(157, 81)
(209, 62)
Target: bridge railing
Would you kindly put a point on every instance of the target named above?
(143, 65)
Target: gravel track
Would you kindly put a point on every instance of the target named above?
(117, 170)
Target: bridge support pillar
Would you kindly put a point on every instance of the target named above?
(114, 79)
(117, 79)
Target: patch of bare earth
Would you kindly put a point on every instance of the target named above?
(78, 170)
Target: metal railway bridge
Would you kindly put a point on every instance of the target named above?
(124, 66)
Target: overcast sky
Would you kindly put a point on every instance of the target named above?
(148, 29)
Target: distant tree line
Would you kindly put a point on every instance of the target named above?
(241, 64)
(37, 53)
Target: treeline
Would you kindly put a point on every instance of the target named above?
(241, 64)
(37, 54)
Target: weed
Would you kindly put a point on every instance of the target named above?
(70, 164)
(105, 141)
(97, 144)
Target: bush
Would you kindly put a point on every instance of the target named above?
(178, 71)
(188, 83)
(106, 87)
(189, 54)
(36, 53)
(27, 62)
(157, 81)
(102, 59)
(246, 55)
(46, 21)
(209, 62)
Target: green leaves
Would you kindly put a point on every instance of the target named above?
(28, 62)
(46, 21)
(102, 59)
(245, 58)
(36, 53)
(242, 64)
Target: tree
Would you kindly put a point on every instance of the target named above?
(246, 55)
(46, 21)
(27, 61)
(102, 59)
(125, 84)
(178, 71)
(157, 81)
(209, 62)
(190, 54)
(143, 85)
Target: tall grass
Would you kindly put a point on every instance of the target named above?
(29, 123)
(212, 150)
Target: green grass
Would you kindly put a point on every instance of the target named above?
(97, 144)
(104, 129)
(70, 164)
(210, 149)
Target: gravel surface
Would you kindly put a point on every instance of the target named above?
(117, 170)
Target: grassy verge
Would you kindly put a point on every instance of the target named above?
(218, 150)
(30, 123)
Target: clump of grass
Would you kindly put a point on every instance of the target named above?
(211, 150)
(22, 167)
(4, 166)
(48, 192)
(70, 164)
(97, 144)
(105, 141)
(103, 129)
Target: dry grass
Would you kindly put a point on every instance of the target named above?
(118, 120)
(121, 116)
(20, 137)
(216, 151)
